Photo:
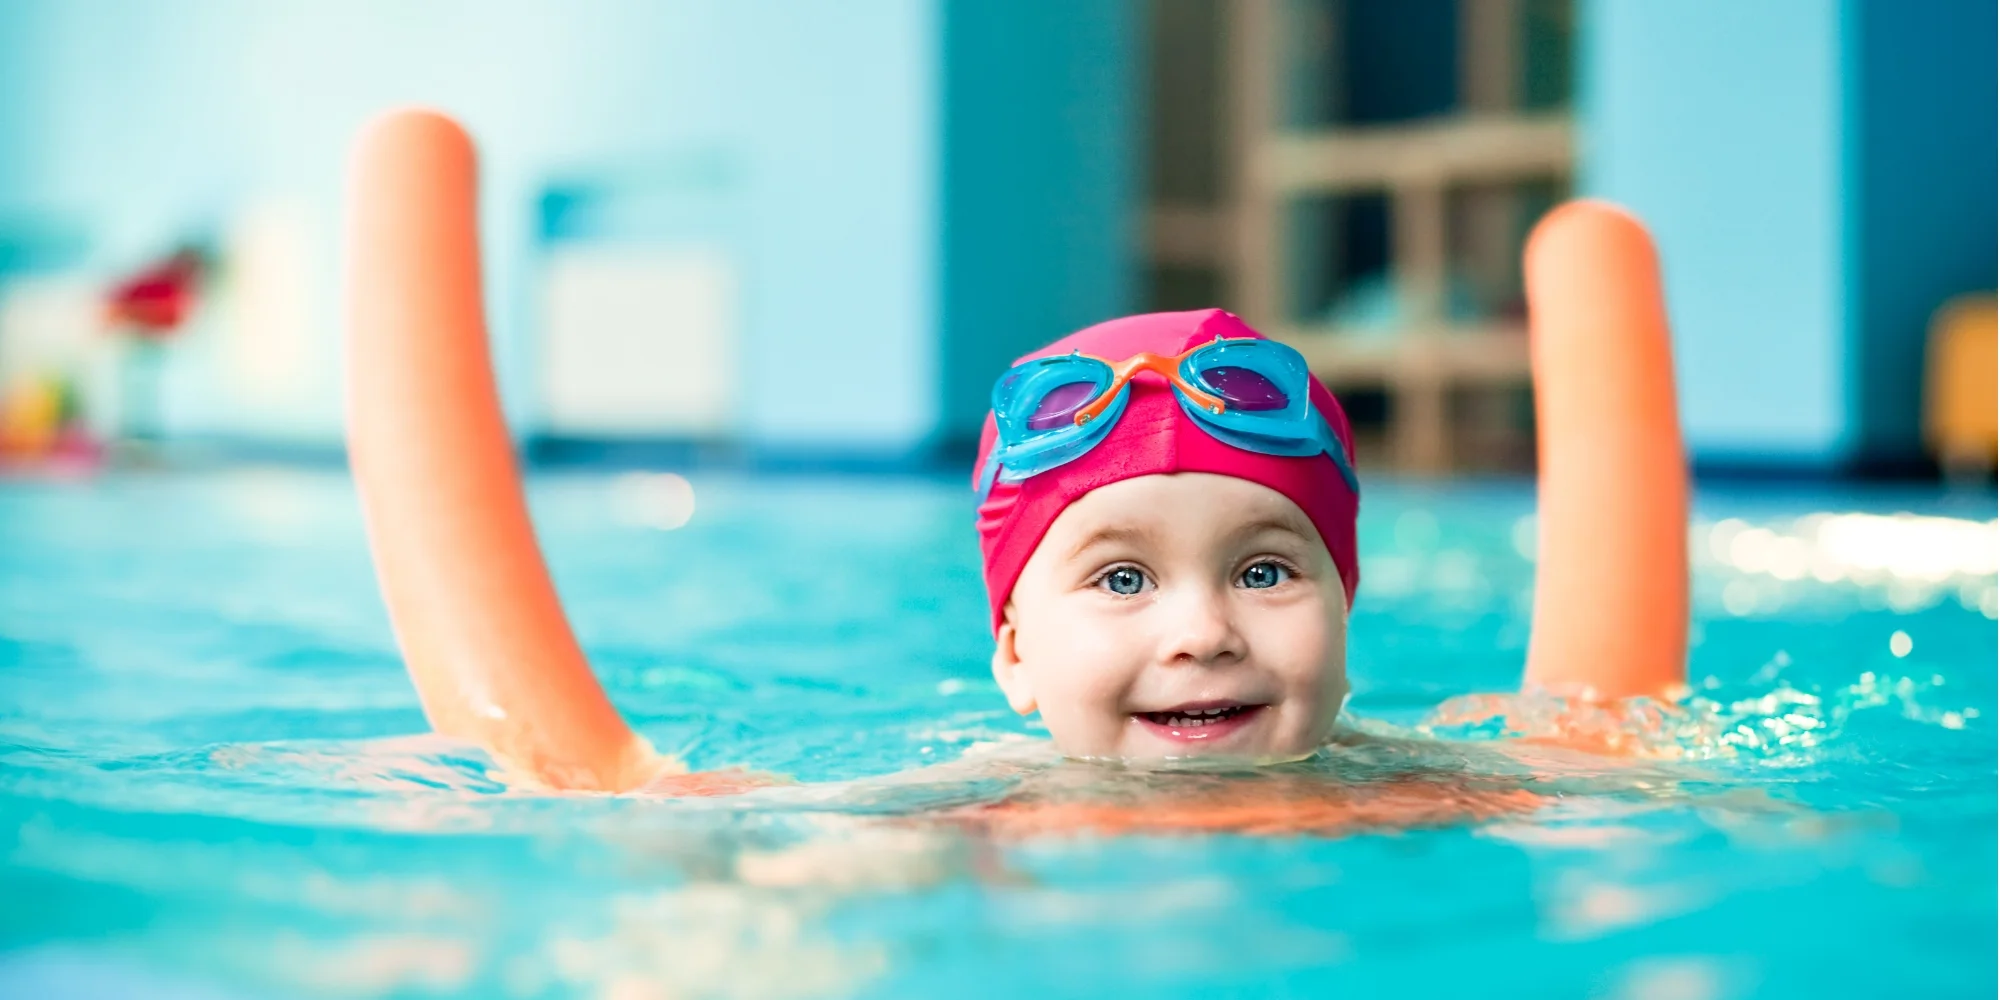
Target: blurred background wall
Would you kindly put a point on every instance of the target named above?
(1042, 181)
(1821, 179)
(771, 167)
(818, 229)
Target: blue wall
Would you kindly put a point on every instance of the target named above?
(1921, 174)
(1718, 122)
(139, 123)
(1820, 177)
(1041, 138)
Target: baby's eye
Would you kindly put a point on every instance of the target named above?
(1123, 581)
(1264, 575)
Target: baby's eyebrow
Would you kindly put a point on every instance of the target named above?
(1285, 524)
(1112, 535)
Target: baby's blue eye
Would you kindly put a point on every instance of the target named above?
(1264, 575)
(1124, 581)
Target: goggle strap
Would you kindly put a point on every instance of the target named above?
(989, 472)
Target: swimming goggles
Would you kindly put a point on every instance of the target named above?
(1249, 393)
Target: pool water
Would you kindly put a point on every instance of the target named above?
(213, 783)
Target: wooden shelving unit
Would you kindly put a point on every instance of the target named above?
(1420, 167)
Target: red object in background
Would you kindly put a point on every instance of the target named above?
(154, 302)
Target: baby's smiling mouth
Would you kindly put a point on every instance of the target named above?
(1199, 721)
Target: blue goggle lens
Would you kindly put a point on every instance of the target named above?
(1058, 406)
(1244, 389)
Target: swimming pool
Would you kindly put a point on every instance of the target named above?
(202, 792)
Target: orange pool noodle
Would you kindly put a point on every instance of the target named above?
(1611, 588)
(474, 610)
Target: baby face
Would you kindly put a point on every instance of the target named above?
(1178, 615)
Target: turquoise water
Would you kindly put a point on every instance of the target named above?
(210, 786)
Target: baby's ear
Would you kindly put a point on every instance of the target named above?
(1008, 671)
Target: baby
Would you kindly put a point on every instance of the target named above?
(1167, 515)
(1168, 541)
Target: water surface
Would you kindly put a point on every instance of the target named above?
(212, 782)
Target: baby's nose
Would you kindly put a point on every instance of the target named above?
(1201, 629)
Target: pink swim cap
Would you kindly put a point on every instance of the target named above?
(1154, 437)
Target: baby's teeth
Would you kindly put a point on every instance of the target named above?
(1197, 718)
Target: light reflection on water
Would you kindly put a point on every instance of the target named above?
(208, 782)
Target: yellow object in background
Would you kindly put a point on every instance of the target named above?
(30, 418)
(1961, 405)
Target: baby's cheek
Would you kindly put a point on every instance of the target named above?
(1331, 669)
(1313, 648)
(1081, 688)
